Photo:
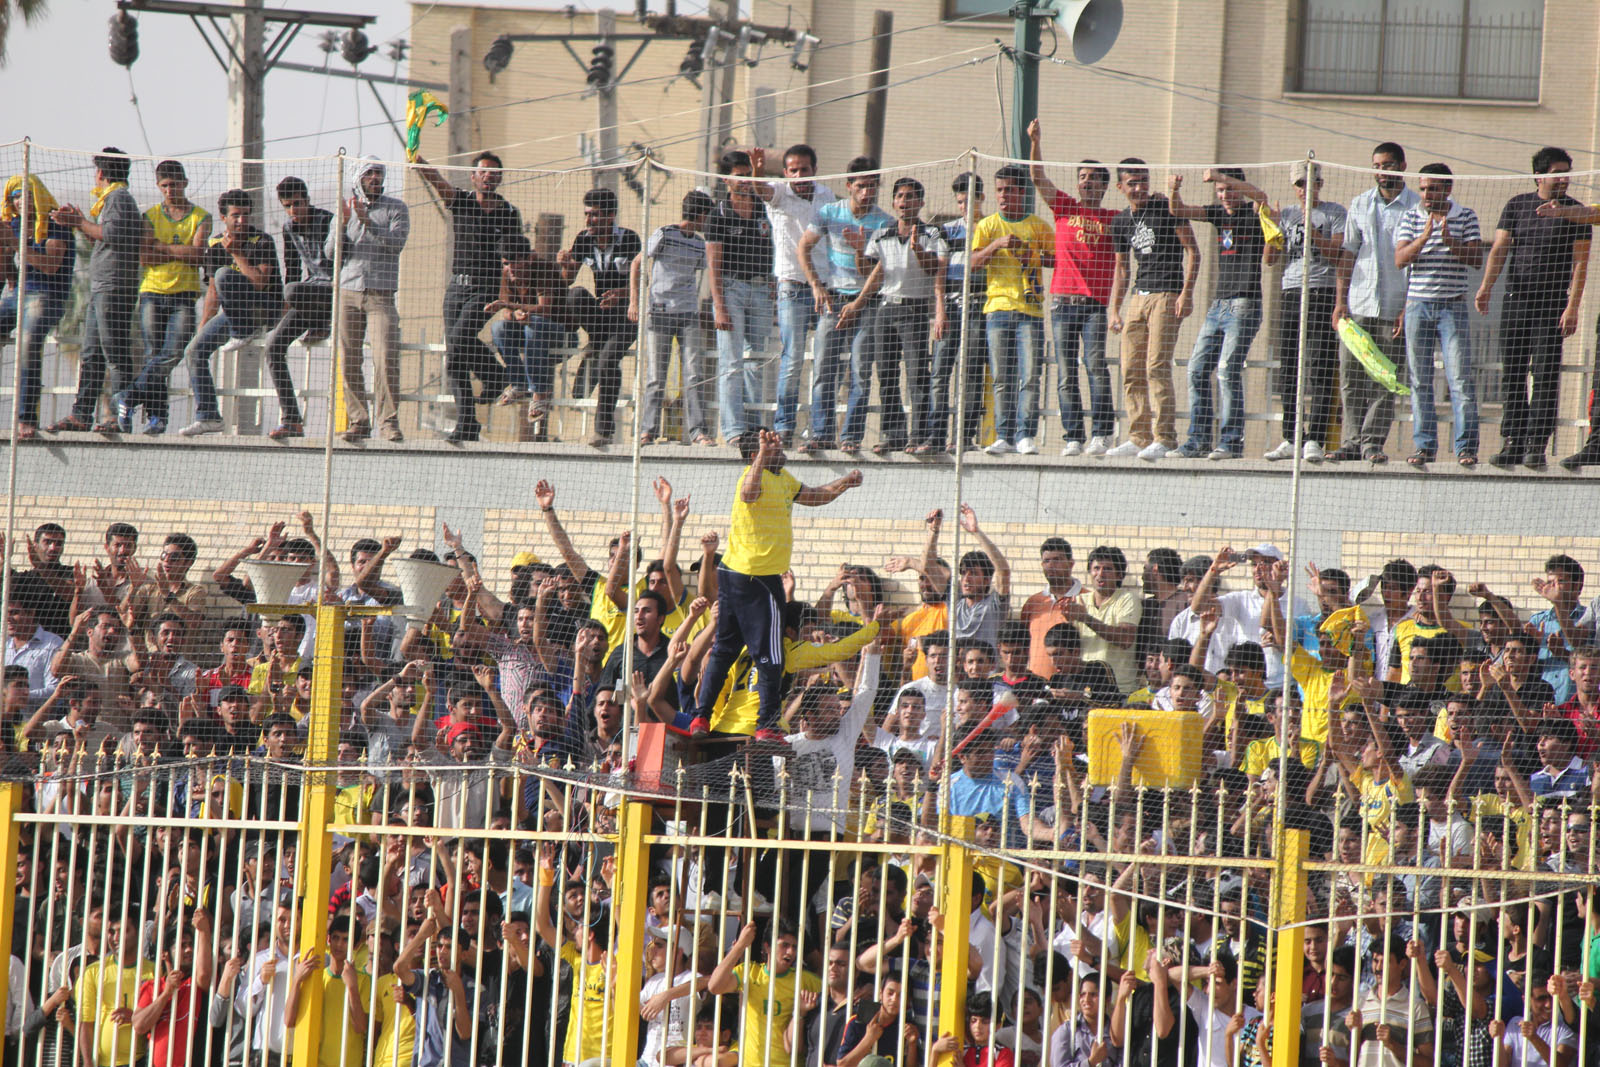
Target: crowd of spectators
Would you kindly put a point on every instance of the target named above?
(153, 721)
(872, 292)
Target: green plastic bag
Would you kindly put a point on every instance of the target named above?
(1371, 357)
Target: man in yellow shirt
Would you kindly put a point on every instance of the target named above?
(169, 291)
(770, 991)
(1014, 247)
(106, 994)
(750, 595)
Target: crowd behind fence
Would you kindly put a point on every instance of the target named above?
(535, 339)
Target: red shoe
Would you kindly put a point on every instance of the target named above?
(699, 727)
(769, 735)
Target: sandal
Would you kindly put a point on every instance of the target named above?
(1469, 460)
(70, 424)
(1419, 459)
(704, 439)
(510, 395)
(850, 446)
(538, 409)
(27, 431)
(647, 438)
(287, 430)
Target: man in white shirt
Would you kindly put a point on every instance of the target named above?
(1212, 1007)
(822, 758)
(1243, 606)
(791, 207)
(268, 990)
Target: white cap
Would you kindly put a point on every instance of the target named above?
(1267, 551)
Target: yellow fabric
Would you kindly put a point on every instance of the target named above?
(258, 675)
(1316, 685)
(397, 1028)
(174, 276)
(1339, 627)
(334, 1022)
(1270, 230)
(756, 981)
(1264, 752)
(738, 705)
(102, 193)
(103, 987)
(586, 1016)
(42, 203)
(990, 869)
(1378, 802)
(418, 106)
(1122, 609)
(1487, 804)
(351, 804)
(1016, 277)
(927, 619)
(1133, 954)
(235, 798)
(1407, 631)
(761, 537)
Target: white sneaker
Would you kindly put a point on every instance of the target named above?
(1074, 448)
(1001, 447)
(1153, 451)
(1312, 453)
(1097, 446)
(1125, 450)
(201, 426)
(1027, 447)
(1283, 451)
(233, 344)
(1220, 453)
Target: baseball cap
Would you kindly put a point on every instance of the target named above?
(523, 559)
(1266, 551)
(460, 729)
(1297, 172)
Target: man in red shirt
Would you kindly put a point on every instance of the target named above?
(169, 1005)
(233, 670)
(1079, 289)
(1584, 707)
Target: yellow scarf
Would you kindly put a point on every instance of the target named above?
(101, 194)
(41, 203)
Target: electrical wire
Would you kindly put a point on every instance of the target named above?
(133, 98)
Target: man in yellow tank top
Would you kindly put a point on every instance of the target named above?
(168, 294)
(750, 578)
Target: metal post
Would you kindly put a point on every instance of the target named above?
(10, 838)
(630, 895)
(337, 414)
(458, 130)
(636, 473)
(246, 100)
(24, 224)
(1024, 80)
(955, 904)
(1290, 880)
(878, 83)
(605, 24)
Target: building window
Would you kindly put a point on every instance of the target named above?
(1458, 49)
(976, 10)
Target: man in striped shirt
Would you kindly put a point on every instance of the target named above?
(1435, 242)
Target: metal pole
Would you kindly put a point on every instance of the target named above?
(640, 354)
(605, 24)
(24, 222)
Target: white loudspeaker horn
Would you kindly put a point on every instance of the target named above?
(422, 582)
(1092, 27)
(272, 582)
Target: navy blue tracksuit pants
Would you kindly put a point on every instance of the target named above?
(749, 615)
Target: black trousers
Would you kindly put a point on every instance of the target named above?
(465, 355)
(1530, 353)
(310, 309)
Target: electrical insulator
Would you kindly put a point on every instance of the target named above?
(354, 47)
(600, 66)
(498, 56)
(124, 39)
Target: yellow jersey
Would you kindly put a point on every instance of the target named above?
(738, 706)
(758, 983)
(334, 1022)
(397, 1027)
(1015, 276)
(1316, 685)
(103, 987)
(1264, 752)
(586, 1017)
(761, 538)
(174, 276)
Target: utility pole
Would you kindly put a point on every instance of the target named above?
(458, 130)
(1025, 77)
(247, 120)
(878, 83)
(721, 36)
(605, 95)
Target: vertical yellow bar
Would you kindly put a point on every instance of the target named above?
(10, 837)
(955, 905)
(1293, 849)
(315, 862)
(630, 895)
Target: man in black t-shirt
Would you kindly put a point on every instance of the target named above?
(246, 292)
(1162, 249)
(608, 251)
(1549, 260)
(479, 218)
(1233, 317)
(739, 268)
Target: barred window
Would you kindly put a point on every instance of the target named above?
(1461, 49)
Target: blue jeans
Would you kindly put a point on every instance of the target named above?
(167, 322)
(946, 356)
(525, 348)
(243, 312)
(684, 326)
(1225, 336)
(830, 363)
(107, 346)
(1444, 321)
(741, 351)
(1082, 321)
(797, 314)
(1016, 356)
(894, 327)
(42, 310)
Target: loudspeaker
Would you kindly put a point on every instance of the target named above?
(421, 583)
(273, 582)
(1092, 27)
